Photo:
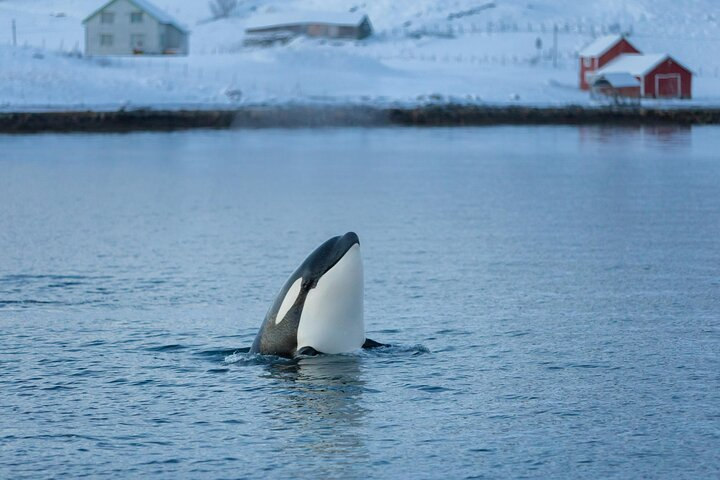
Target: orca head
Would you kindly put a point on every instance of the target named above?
(328, 289)
(325, 257)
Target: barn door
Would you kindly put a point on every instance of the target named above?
(668, 86)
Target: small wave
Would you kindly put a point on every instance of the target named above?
(170, 461)
(21, 277)
(244, 357)
(217, 370)
(167, 348)
(432, 388)
(57, 387)
(588, 365)
(221, 353)
(147, 381)
(416, 349)
(28, 302)
(69, 283)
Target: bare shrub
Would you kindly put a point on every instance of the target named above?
(222, 8)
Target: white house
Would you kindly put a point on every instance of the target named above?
(133, 27)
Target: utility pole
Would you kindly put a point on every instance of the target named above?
(14, 33)
(555, 46)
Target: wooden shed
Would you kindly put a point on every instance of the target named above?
(133, 27)
(620, 88)
(311, 24)
(660, 75)
(599, 53)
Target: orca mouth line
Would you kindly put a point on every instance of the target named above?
(312, 282)
(341, 257)
(351, 239)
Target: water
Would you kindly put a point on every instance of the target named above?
(552, 295)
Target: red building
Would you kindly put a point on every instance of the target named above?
(620, 87)
(601, 52)
(660, 75)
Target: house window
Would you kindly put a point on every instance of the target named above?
(107, 17)
(106, 40)
(587, 61)
(136, 17)
(137, 41)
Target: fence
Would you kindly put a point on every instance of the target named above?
(448, 29)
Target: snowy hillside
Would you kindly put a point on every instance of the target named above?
(422, 50)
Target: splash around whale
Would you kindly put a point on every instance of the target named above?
(320, 307)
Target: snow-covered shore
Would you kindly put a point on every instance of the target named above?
(422, 52)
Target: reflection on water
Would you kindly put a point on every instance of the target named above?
(643, 136)
(324, 386)
(320, 408)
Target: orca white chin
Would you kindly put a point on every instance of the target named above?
(332, 318)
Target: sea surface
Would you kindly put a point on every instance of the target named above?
(551, 294)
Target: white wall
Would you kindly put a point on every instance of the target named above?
(122, 31)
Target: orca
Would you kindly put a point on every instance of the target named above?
(319, 310)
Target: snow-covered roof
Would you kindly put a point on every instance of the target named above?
(160, 15)
(617, 80)
(600, 45)
(144, 5)
(634, 64)
(304, 17)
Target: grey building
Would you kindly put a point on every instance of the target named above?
(311, 24)
(133, 27)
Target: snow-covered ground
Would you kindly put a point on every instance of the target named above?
(422, 50)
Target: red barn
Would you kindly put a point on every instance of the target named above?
(601, 52)
(660, 75)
